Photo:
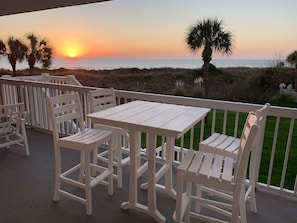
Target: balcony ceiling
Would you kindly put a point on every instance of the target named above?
(10, 7)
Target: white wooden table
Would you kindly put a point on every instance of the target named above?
(155, 119)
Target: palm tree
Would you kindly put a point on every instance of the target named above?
(210, 35)
(47, 56)
(292, 59)
(2, 47)
(17, 52)
(38, 51)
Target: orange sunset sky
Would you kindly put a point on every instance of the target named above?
(157, 28)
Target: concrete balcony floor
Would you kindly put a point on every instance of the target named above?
(26, 192)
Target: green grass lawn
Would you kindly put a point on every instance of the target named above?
(280, 151)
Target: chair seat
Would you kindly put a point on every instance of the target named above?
(86, 139)
(208, 169)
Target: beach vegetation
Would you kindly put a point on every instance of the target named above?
(209, 35)
(197, 92)
(5, 72)
(179, 89)
(292, 59)
(2, 48)
(283, 99)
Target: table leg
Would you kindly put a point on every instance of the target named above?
(151, 173)
(134, 145)
(165, 170)
(151, 209)
(152, 205)
(169, 160)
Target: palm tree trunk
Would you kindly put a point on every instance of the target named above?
(12, 62)
(295, 87)
(31, 61)
(13, 70)
(205, 74)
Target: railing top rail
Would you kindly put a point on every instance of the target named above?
(59, 86)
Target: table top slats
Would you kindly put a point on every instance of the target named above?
(159, 118)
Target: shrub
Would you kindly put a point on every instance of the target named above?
(197, 92)
(5, 72)
(179, 89)
(283, 99)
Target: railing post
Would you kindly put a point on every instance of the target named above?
(295, 186)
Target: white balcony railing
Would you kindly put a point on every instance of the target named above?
(278, 164)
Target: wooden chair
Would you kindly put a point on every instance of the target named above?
(66, 115)
(12, 126)
(101, 99)
(219, 172)
(226, 145)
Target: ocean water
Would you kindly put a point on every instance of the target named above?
(141, 63)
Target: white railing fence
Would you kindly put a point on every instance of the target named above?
(279, 146)
(34, 93)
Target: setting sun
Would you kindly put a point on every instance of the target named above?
(72, 51)
(72, 54)
(71, 48)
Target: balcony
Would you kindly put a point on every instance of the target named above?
(26, 192)
(27, 182)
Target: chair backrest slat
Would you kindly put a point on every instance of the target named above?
(102, 98)
(66, 114)
(258, 144)
(247, 140)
